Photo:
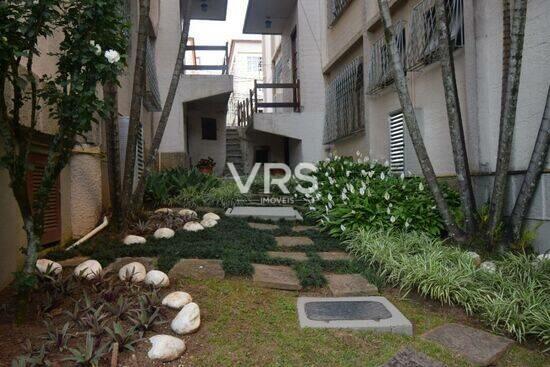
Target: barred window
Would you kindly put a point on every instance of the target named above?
(380, 72)
(423, 36)
(335, 9)
(345, 107)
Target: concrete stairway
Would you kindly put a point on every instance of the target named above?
(233, 150)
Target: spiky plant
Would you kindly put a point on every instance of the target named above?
(110, 293)
(150, 301)
(95, 321)
(57, 339)
(120, 308)
(89, 354)
(143, 320)
(75, 315)
(124, 338)
(33, 358)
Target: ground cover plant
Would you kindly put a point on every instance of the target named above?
(353, 194)
(512, 298)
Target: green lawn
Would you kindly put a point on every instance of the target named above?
(248, 326)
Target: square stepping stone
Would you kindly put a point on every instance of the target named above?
(276, 277)
(73, 262)
(364, 313)
(408, 357)
(289, 241)
(197, 269)
(348, 285)
(477, 346)
(296, 256)
(264, 226)
(335, 256)
(264, 212)
(304, 228)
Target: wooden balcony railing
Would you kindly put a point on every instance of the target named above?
(251, 105)
(223, 68)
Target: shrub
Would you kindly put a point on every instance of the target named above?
(514, 299)
(365, 194)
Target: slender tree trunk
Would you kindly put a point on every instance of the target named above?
(412, 124)
(454, 114)
(138, 89)
(159, 132)
(508, 116)
(534, 171)
(110, 94)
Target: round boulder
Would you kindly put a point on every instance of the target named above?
(211, 216)
(89, 269)
(209, 223)
(164, 233)
(475, 257)
(543, 257)
(488, 266)
(177, 300)
(188, 213)
(165, 348)
(193, 227)
(45, 266)
(187, 320)
(157, 278)
(134, 271)
(164, 211)
(134, 240)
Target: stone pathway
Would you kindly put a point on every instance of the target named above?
(289, 241)
(264, 212)
(409, 357)
(263, 226)
(334, 256)
(349, 285)
(299, 229)
(277, 277)
(296, 256)
(197, 269)
(477, 346)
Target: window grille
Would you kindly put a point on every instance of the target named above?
(423, 36)
(140, 154)
(380, 72)
(345, 109)
(253, 64)
(335, 9)
(151, 99)
(397, 142)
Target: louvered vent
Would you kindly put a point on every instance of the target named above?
(397, 142)
(140, 153)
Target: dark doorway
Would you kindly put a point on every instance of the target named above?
(261, 155)
(209, 129)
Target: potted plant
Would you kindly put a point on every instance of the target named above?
(206, 165)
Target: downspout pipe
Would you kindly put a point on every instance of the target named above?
(89, 235)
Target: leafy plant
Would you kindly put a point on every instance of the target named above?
(143, 320)
(121, 308)
(125, 339)
(89, 354)
(150, 301)
(57, 339)
(310, 274)
(24, 283)
(206, 163)
(95, 321)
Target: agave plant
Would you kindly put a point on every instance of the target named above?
(124, 339)
(144, 321)
(32, 358)
(95, 321)
(57, 339)
(150, 301)
(76, 314)
(110, 293)
(89, 354)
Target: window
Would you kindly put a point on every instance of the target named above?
(335, 9)
(345, 109)
(397, 142)
(253, 64)
(209, 129)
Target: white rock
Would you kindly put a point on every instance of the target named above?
(475, 257)
(157, 278)
(488, 266)
(134, 240)
(193, 227)
(188, 213)
(135, 270)
(211, 216)
(89, 269)
(164, 210)
(45, 266)
(209, 223)
(543, 257)
(187, 320)
(166, 348)
(164, 233)
(177, 300)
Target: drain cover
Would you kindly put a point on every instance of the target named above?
(346, 310)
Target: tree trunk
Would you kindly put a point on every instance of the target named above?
(412, 124)
(534, 171)
(159, 132)
(110, 95)
(454, 114)
(138, 89)
(508, 117)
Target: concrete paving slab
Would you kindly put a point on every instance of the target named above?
(349, 285)
(289, 241)
(197, 269)
(409, 357)
(276, 277)
(396, 323)
(477, 346)
(264, 226)
(304, 228)
(296, 256)
(335, 256)
(264, 212)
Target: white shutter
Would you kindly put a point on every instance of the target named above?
(397, 142)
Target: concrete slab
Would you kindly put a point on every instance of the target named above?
(73, 262)
(477, 346)
(408, 357)
(264, 226)
(396, 323)
(349, 285)
(114, 267)
(264, 212)
(197, 269)
(289, 241)
(296, 256)
(276, 277)
(304, 228)
(334, 256)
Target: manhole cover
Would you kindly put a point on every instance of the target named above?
(346, 310)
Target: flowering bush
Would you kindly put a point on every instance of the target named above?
(363, 193)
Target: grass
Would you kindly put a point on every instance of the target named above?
(248, 326)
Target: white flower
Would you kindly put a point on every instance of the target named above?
(344, 196)
(112, 56)
(402, 176)
(388, 210)
(382, 176)
(352, 189)
(329, 197)
(407, 224)
(421, 187)
(326, 173)
(393, 219)
(312, 208)
(386, 163)
(358, 153)
(342, 227)
(363, 173)
(97, 50)
(348, 173)
(362, 191)
(387, 196)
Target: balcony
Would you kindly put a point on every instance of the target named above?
(268, 16)
(196, 68)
